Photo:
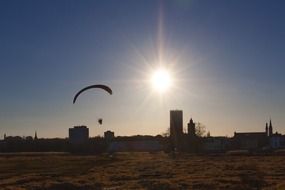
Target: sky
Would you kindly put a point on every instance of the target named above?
(226, 58)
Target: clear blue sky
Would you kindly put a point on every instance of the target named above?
(227, 57)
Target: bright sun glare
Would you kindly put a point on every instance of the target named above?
(161, 80)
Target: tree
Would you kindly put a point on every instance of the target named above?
(166, 133)
(200, 129)
(184, 130)
(208, 134)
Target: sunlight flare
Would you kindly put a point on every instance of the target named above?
(161, 80)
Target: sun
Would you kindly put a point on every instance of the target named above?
(161, 80)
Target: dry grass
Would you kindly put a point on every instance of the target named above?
(141, 171)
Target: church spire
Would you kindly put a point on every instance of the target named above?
(36, 136)
(270, 128)
(266, 129)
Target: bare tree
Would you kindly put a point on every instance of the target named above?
(166, 133)
(184, 130)
(200, 129)
(208, 134)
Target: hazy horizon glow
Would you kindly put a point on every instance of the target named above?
(225, 60)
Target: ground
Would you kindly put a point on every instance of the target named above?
(141, 171)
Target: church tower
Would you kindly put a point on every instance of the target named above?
(191, 128)
(270, 128)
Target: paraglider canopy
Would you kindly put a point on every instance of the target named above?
(100, 86)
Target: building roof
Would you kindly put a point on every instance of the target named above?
(250, 134)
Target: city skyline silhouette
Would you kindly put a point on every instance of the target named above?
(227, 71)
(149, 94)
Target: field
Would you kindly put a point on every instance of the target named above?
(141, 171)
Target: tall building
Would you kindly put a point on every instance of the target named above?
(176, 127)
(78, 134)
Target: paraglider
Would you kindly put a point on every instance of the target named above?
(101, 86)
(100, 121)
